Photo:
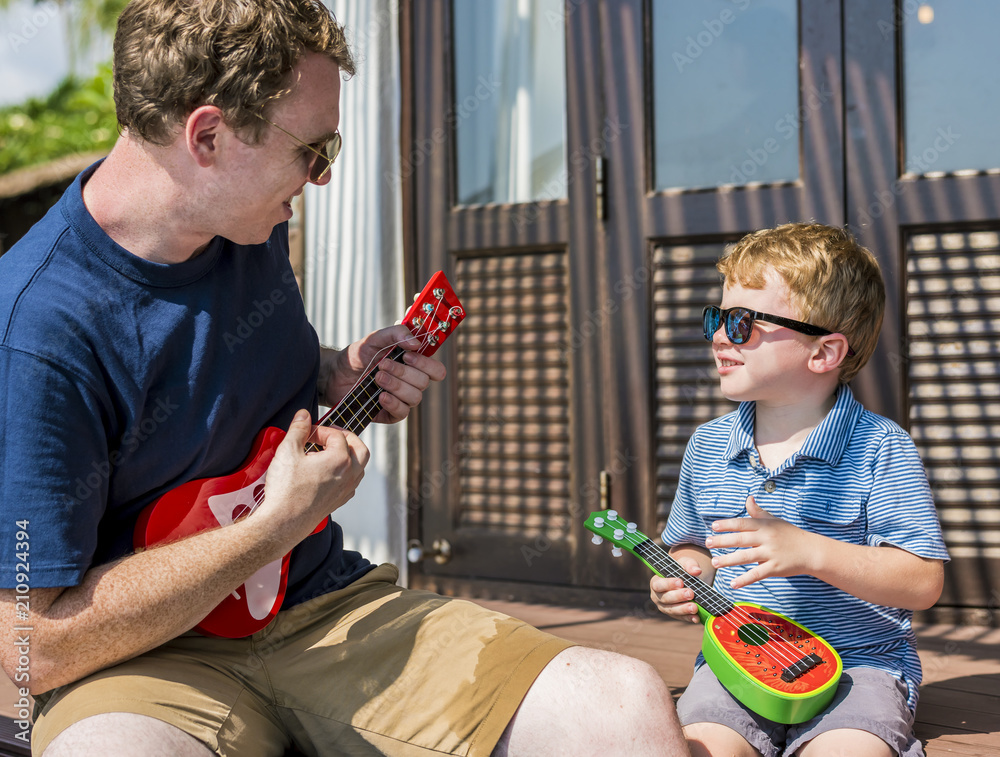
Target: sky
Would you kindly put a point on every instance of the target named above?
(33, 51)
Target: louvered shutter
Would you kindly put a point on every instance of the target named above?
(513, 394)
(687, 385)
(952, 363)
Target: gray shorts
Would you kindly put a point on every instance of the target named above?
(866, 699)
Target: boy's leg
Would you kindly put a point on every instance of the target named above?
(716, 724)
(599, 701)
(868, 715)
(846, 742)
(709, 739)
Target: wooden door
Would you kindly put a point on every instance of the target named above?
(509, 443)
(690, 177)
(582, 371)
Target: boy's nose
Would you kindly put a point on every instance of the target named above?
(720, 337)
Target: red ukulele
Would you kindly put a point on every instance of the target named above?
(212, 502)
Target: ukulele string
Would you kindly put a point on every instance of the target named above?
(371, 400)
(762, 638)
(365, 407)
(737, 612)
(775, 645)
(775, 648)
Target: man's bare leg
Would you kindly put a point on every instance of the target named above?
(125, 734)
(587, 701)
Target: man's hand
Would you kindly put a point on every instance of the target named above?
(304, 487)
(131, 605)
(778, 547)
(403, 383)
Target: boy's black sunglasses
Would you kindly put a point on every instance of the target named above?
(739, 324)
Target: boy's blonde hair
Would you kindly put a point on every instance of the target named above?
(834, 282)
(173, 56)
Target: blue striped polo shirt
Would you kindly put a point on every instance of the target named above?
(857, 478)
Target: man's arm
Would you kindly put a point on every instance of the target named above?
(128, 607)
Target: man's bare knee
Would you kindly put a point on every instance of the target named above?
(596, 701)
(123, 733)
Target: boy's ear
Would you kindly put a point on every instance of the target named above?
(829, 352)
(201, 134)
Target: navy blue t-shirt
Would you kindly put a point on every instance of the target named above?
(121, 379)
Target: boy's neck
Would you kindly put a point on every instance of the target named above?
(780, 430)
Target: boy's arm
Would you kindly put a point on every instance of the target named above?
(670, 595)
(883, 575)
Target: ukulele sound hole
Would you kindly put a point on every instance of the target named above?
(241, 511)
(753, 633)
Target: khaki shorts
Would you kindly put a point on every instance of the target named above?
(372, 668)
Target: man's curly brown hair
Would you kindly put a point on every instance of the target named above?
(173, 56)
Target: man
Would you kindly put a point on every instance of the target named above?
(119, 385)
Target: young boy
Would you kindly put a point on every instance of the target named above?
(803, 501)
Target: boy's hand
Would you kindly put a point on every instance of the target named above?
(778, 547)
(672, 597)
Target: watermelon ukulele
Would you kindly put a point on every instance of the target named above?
(213, 502)
(770, 663)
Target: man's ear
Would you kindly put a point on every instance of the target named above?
(829, 352)
(201, 134)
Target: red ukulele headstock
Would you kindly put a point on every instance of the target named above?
(435, 313)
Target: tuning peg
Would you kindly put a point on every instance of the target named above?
(616, 551)
(440, 550)
(612, 515)
(599, 522)
(597, 539)
(632, 527)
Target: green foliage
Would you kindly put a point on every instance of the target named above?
(77, 117)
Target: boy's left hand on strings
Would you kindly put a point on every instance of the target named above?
(778, 547)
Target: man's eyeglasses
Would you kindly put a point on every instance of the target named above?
(739, 322)
(325, 155)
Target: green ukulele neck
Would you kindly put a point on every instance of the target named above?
(606, 524)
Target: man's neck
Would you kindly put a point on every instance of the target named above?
(135, 200)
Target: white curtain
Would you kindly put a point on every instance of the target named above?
(353, 242)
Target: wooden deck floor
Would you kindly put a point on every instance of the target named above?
(959, 710)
